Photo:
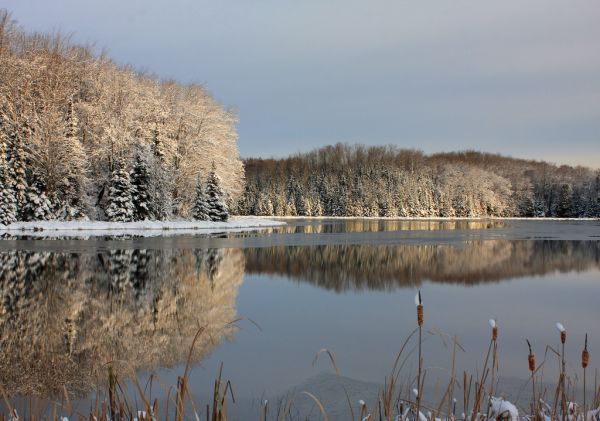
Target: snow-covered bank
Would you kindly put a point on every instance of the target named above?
(140, 228)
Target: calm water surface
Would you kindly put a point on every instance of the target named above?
(70, 306)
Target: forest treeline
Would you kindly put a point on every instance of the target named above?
(387, 181)
(82, 137)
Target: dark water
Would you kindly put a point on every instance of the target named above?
(71, 307)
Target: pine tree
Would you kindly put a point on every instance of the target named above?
(37, 207)
(18, 168)
(265, 206)
(564, 208)
(140, 182)
(8, 201)
(72, 202)
(200, 210)
(120, 205)
(161, 183)
(161, 186)
(217, 209)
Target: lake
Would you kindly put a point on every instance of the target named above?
(269, 300)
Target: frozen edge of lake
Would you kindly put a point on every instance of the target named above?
(433, 218)
(139, 228)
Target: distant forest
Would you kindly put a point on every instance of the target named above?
(84, 138)
(386, 181)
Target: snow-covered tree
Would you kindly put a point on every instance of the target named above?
(200, 209)
(140, 183)
(564, 206)
(265, 206)
(8, 201)
(37, 207)
(161, 197)
(217, 209)
(78, 113)
(18, 167)
(157, 143)
(120, 204)
(72, 202)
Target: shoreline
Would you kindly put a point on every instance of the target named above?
(144, 228)
(429, 218)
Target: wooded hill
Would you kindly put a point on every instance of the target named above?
(73, 125)
(387, 181)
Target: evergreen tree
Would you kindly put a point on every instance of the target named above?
(200, 209)
(120, 204)
(8, 201)
(290, 208)
(161, 183)
(37, 207)
(265, 206)
(18, 167)
(317, 208)
(564, 208)
(302, 207)
(140, 183)
(217, 209)
(72, 203)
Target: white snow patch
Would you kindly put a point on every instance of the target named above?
(501, 408)
(560, 327)
(139, 228)
(418, 301)
(492, 323)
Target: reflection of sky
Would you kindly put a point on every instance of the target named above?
(520, 78)
(365, 330)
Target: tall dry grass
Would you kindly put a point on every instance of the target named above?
(400, 398)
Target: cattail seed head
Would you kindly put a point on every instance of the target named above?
(531, 361)
(420, 314)
(419, 304)
(531, 357)
(585, 355)
(585, 358)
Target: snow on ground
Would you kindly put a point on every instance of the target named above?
(139, 228)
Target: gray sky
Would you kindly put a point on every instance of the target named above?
(517, 77)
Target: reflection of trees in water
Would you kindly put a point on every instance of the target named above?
(355, 267)
(355, 225)
(63, 315)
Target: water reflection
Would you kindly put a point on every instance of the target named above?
(64, 316)
(360, 267)
(357, 225)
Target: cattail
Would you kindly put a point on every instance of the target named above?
(563, 332)
(494, 327)
(531, 358)
(419, 304)
(585, 355)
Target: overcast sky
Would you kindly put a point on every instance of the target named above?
(517, 77)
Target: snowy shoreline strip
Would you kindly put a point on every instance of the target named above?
(140, 227)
